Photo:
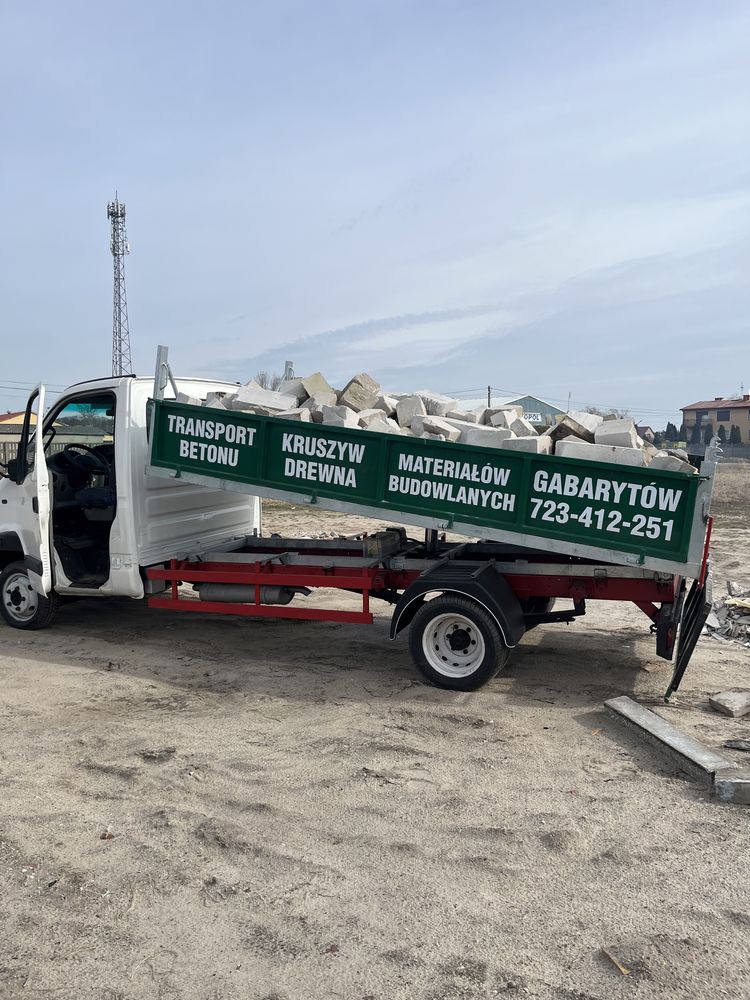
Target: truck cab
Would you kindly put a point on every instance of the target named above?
(80, 517)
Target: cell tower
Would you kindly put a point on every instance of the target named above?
(121, 363)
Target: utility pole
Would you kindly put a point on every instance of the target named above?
(121, 362)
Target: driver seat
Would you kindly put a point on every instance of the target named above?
(77, 542)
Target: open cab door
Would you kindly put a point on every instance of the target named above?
(34, 507)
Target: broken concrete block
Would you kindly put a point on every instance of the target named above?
(522, 428)
(417, 424)
(735, 702)
(295, 389)
(577, 424)
(372, 418)
(436, 425)
(304, 415)
(263, 411)
(435, 403)
(386, 426)
(408, 408)
(316, 403)
(485, 437)
(459, 424)
(482, 413)
(732, 785)
(321, 399)
(183, 397)
(501, 418)
(252, 394)
(621, 433)
(360, 392)
(533, 443)
(316, 384)
(466, 416)
(669, 463)
(218, 400)
(570, 447)
(431, 437)
(339, 416)
(386, 403)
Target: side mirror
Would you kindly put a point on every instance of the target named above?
(12, 468)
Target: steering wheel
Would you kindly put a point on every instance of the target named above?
(88, 462)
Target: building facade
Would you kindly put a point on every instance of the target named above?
(534, 409)
(719, 412)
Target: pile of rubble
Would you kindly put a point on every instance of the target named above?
(363, 404)
(729, 620)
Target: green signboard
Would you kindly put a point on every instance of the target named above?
(615, 507)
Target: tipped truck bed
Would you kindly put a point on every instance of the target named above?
(616, 514)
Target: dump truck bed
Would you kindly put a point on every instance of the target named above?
(613, 513)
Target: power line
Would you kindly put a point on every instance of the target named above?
(13, 384)
(579, 402)
(480, 391)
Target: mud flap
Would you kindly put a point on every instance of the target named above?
(695, 611)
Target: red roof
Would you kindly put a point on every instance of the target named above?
(11, 416)
(720, 404)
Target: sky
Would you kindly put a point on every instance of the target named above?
(548, 198)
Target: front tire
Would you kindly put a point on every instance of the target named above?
(20, 605)
(456, 643)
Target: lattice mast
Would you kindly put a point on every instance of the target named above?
(121, 361)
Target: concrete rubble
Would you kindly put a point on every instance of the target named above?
(363, 404)
(729, 618)
(735, 702)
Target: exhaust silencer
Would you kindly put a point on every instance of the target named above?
(241, 593)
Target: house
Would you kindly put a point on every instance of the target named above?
(535, 410)
(13, 418)
(645, 432)
(11, 424)
(719, 412)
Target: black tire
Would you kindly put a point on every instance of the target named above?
(20, 605)
(460, 669)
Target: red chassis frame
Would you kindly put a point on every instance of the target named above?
(647, 594)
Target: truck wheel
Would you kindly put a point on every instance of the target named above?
(456, 643)
(20, 605)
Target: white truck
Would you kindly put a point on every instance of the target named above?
(122, 489)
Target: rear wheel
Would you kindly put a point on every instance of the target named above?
(456, 643)
(20, 605)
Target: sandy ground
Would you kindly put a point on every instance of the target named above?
(208, 809)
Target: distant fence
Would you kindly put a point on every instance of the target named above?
(9, 450)
(728, 451)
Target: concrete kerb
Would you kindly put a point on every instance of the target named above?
(727, 782)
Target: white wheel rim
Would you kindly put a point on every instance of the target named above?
(453, 645)
(19, 598)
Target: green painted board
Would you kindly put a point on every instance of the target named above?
(612, 507)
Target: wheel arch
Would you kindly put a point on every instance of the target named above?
(485, 586)
(11, 548)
